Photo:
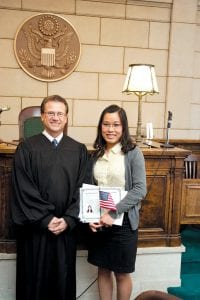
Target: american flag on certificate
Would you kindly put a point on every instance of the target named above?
(106, 200)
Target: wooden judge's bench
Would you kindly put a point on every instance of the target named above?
(160, 215)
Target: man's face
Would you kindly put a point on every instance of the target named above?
(54, 117)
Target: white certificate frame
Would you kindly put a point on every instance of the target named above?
(89, 198)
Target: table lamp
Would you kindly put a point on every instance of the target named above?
(140, 80)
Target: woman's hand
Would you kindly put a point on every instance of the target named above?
(106, 220)
(95, 226)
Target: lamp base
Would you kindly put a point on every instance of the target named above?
(166, 145)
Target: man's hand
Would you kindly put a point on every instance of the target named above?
(57, 225)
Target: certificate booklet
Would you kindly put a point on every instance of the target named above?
(95, 200)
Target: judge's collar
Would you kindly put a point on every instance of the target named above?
(51, 138)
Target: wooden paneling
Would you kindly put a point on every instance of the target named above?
(160, 212)
(190, 204)
(7, 238)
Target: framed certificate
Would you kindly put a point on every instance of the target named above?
(95, 200)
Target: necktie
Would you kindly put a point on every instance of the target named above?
(55, 142)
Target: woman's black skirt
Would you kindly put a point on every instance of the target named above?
(114, 248)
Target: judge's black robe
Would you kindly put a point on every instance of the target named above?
(45, 183)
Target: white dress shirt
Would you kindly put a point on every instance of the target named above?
(109, 169)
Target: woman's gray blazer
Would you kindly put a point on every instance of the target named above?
(135, 184)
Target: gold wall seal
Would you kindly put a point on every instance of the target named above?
(47, 47)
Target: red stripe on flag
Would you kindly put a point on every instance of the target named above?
(106, 201)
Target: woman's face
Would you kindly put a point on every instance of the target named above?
(111, 129)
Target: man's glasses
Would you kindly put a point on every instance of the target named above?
(52, 114)
(114, 126)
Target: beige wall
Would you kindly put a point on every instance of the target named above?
(113, 34)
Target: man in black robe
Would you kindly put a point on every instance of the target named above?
(45, 207)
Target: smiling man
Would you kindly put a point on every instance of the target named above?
(48, 170)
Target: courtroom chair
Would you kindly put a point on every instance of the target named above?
(156, 295)
(30, 122)
(192, 166)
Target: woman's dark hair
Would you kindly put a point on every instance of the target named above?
(55, 98)
(126, 140)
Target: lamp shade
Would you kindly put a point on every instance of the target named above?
(141, 78)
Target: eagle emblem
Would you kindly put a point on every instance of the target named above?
(47, 47)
